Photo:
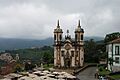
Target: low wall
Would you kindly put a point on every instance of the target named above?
(116, 68)
(84, 67)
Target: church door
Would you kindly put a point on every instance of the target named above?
(67, 60)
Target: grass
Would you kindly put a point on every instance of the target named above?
(46, 66)
(103, 71)
(117, 76)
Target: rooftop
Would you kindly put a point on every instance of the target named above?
(115, 41)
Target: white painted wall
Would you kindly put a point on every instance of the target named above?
(109, 48)
(116, 64)
(62, 61)
(81, 56)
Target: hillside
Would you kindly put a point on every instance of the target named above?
(11, 43)
(36, 55)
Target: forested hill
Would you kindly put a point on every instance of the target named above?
(10, 43)
(36, 55)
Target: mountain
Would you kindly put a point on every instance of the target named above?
(96, 38)
(12, 43)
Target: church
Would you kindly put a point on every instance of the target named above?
(68, 52)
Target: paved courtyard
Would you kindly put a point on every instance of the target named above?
(87, 74)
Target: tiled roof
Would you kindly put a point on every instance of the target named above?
(115, 41)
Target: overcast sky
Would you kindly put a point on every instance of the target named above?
(36, 19)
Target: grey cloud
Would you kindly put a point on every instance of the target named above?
(36, 19)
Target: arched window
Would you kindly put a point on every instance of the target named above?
(81, 37)
(54, 37)
(76, 53)
(72, 53)
(62, 53)
(60, 37)
(75, 36)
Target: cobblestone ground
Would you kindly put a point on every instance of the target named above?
(87, 74)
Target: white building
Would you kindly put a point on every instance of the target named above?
(113, 50)
(68, 52)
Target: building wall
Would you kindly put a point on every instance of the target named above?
(114, 55)
(111, 54)
(81, 56)
(72, 58)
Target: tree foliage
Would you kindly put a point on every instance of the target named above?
(34, 54)
(18, 67)
(111, 36)
(94, 51)
(29, 66)
(90, 51)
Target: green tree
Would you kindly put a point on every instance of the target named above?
(111, 36)
(18, 67)
(29, 66)
(94, 51)
(91, 51)
(47, 57)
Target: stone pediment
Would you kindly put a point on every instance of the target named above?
(67, 46)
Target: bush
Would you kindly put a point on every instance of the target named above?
(18, 68)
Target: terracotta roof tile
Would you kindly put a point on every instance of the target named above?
(115, 41)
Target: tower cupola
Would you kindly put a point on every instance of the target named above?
(79, 29)
(79, 33)
(58, 33)
(58, 30)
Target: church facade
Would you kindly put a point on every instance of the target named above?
(68, 52)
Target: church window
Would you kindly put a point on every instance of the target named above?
(72, 53)
(54, 37)
(81, 37)
(62, 53)
(82, 49)
(67, 54)
(67, 47)
(76, 53)
(82, 59)
(75, 36)
(60, 37)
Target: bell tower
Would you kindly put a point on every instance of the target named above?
(57, 45)
(58, 33)
(79, 33)
(79, 45)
